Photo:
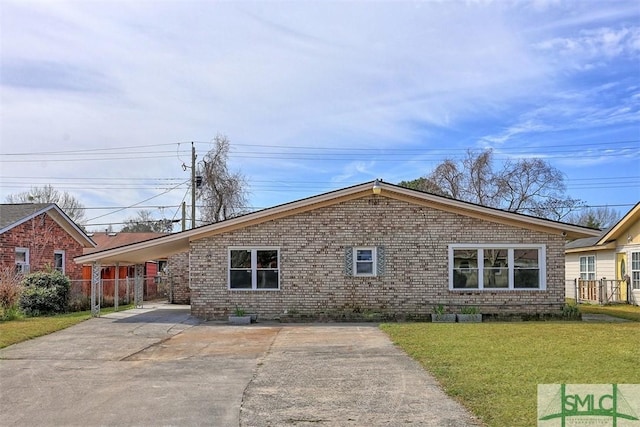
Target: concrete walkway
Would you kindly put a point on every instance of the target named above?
(159, 366)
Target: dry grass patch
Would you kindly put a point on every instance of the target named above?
(494, 368)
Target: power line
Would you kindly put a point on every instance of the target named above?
(89, 150)
(120, 150)
(135, 204)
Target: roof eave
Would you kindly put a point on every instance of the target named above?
(592, 248)
(615, 231)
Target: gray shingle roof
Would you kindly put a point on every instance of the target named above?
(13, 213)
(582, 243)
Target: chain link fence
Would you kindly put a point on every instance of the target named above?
(154, 288)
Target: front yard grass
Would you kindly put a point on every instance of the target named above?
(494, 368)
(15, 331)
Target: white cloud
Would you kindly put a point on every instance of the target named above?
(313, 74)
(595, 43)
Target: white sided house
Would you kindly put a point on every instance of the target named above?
(371, 251)
(606, 269)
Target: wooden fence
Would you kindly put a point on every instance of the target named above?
(602, 291)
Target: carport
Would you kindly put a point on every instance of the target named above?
(135, 255)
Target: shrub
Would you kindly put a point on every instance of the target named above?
(571, 312)
(470, 309)
(10, 290)
(45, 293)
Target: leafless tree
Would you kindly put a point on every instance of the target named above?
(145, 222)
(223, 193)
(530, 186)
(526, 185)
(600, 217)
(47, 194)
(479, 182)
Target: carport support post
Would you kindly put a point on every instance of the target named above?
(138, 287)
(95, 288)
(116, 288)
(127, 295)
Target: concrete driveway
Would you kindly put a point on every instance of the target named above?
(159, 366)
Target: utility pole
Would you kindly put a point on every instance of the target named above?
(184, 216)
(193, 185)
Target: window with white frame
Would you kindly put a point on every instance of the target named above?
(22, 260)
(364, 261)
(496, 267)
(58, 261)
(588, 267)
(635, 270)
(254, 268)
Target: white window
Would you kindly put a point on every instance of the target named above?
(254, 268)
(635, 270)
(588, 267)
(364, 261)
(59, 261)
(22, 260)
(496, 267)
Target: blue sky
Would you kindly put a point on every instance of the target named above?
(102, 99)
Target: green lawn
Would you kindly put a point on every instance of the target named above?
(494, 368)
(15, 331)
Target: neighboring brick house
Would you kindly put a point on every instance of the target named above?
(37, 236)
(373, 249)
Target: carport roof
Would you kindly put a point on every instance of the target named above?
(163, 247)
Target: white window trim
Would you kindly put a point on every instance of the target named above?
(254, 267)
(580, 272)
(634, 274)
(374, 261)
(542, 266)
(24, 266)
(64, 259)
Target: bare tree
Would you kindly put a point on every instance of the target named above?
(145, 222)
(448, 179)
(530, 186)
(478, 181)
(533, 186)
(600, 217)
(47, 194)
(223, 193)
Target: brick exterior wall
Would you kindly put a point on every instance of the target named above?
(42, 236)
(178, 270)
(313, 282)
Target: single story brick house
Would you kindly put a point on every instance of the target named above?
(370, 249)
(606, 268)
(36, 236)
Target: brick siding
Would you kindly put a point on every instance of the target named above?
(178, 270)
(313, 282)
(42, 236)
